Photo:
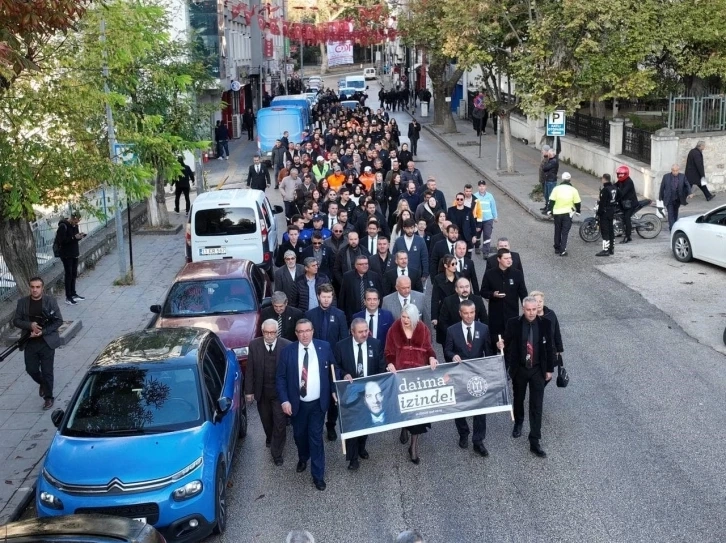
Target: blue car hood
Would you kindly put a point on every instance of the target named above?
(94, 461)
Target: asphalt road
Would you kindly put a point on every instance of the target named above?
(635, 443)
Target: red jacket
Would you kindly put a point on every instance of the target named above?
(406, 353)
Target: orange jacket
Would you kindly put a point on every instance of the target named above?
(367, 179)
(336, 180)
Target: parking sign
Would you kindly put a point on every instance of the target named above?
(556, 123)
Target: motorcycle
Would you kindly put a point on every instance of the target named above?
(647, 225)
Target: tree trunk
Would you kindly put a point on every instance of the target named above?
(156, 203)
(597, 108)
(442, 86)
(506, 128)
(17, 246)
(323, 59)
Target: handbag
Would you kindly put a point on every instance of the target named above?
(563, 378)
(627, 204)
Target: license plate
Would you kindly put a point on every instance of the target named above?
(142, 520)
(213, 251)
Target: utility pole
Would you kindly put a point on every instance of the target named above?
(115, 159)
(302, 61)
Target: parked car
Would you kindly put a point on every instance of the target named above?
(702, 237)
(73, 528)
(224, 296)
(150, 435)
(369, 73)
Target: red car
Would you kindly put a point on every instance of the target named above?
(224, 296)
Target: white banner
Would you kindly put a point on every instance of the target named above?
(340, 52)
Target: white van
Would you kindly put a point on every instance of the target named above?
(369, 73)
(233, 223)
(357, 82)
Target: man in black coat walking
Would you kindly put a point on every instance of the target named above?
(530, 358)
(695, 172)
(504, 287)
(248, 120)
(258, 177)
(463, 218)
(355, 282)
(66, 238)
(183, 184)
(414, 134)
(285, 315)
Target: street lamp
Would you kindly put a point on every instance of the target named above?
(302, 43)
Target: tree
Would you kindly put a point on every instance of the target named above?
(423, 29)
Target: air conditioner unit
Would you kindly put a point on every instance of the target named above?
(236, 126)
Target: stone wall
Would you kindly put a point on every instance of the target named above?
(714, 156)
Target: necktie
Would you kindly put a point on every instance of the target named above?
(324, 327)
(403, 271)
(372, 246)
(370, 325)
(461, 265)
(360, 360)
(279, 325)
(451, 248)
(270, 348)
(304, 380)
(530, 348)
(257, 168)
(469, 339)
(405, 301)
(362, 292)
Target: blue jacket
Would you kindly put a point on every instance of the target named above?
(337, 325)
(288, 375)
(385, 321)
(418, 256)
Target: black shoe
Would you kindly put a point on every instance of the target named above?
(279, 461)
(364, 454)
(710, 198)
(536, 449)
(403, 438)
(320, 485)
(332, 434)
(416, 460)
(564, 253)
(354, 465)
(48, 404)
(517, 430)
(626, 240)
(464, 442)
(71, 302)
(603, 253)
(301, 466)
(268, 442)
(76, 298)
(481, 449)
(41, 392)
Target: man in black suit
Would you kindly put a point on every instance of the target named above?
(286, 316)
(359, 356)
(355, 283)
(442, 248)
(293, 243)
(503, 243)
(465, 265)
(322, 254)
(463, 218)
(529, 354)
(401, 269)
(330, 325)
(260, 386)
(258, 177)
(379, 320)
(464, 341)
(382, 260)
(449, 312)
(370, 240)
(361, 225)
(504, 287)
(285, 277)
(345, 259)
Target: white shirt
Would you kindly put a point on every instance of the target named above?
(292, 272)
(464, 327)
(408, 241)
(364, 350)
(268, 346)
(460, 264)
(399, 270)
(374, 242)
(313, 372)
(400, 300)
(373, 329)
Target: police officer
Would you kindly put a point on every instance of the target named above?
(564, 202)
(608, 202)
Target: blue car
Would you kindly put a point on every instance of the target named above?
(150, 434)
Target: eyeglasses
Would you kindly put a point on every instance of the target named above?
(337, 231)
(316, 243)
(459, 199)
(289, 258)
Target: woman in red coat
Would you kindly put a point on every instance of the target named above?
(408, 345)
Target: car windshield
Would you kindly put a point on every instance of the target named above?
(210, 297)
(225, 221)
(136, 400)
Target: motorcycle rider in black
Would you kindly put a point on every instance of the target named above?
(607, 205)
(628, 200)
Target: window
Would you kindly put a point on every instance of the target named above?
(212, 379)
(225, 221)
(719, 217)
(213, 297)
(218, 355)
(258, 279)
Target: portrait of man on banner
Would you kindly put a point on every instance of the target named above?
(369, 402)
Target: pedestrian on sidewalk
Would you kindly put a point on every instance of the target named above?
(628, 200)
(695, 172)
(182, 185)
(545, 158)
(66, 238)
(248, 120)
(414, 134)
(260, 385)
(221, 136)
(607, 204)
(675, 191)
(39, 318)
(486, 219)
(550, 169)
(564, 202)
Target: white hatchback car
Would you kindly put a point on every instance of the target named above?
(702, 237)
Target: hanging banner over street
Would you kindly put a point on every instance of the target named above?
(388, 401)
(339, 53)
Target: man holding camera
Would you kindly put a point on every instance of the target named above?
(39, 318)
(67, 238)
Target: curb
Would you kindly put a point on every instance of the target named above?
(148, 231)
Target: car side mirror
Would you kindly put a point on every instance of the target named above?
(156, 308)
(223, 406)
(57, 417)
(699, 219)
(266, 302)
(278, 209)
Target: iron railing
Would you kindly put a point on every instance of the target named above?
(589, 128)
(636, 143)
(697, 113)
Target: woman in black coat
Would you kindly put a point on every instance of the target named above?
(442, 285)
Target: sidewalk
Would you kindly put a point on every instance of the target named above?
(108, 312)
(465, 145)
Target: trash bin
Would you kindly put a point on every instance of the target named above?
(424, 109)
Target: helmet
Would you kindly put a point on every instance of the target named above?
(623, 172)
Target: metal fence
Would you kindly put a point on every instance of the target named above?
(45, 227)
(589, 128)
(697, 114)
(636, 143)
